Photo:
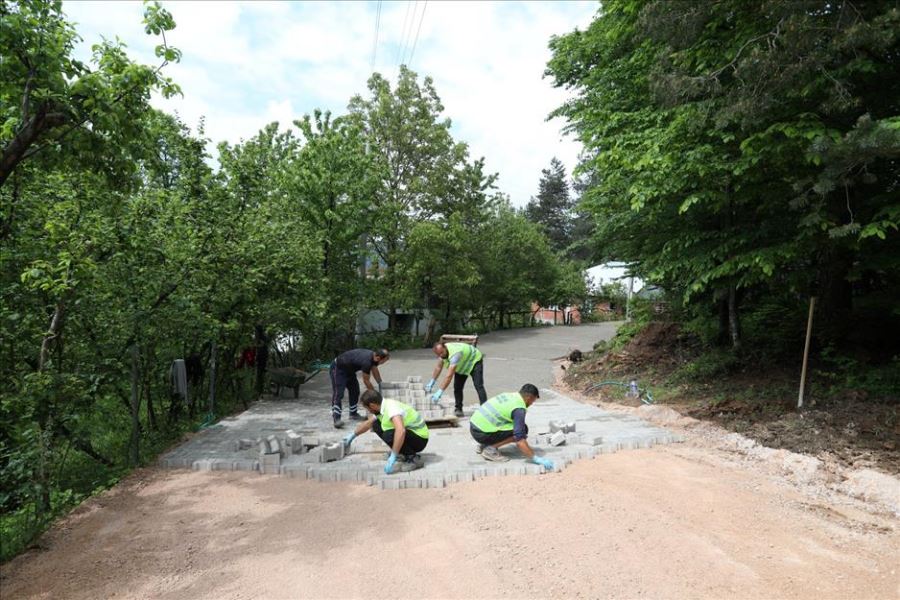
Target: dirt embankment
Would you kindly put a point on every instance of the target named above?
(849, 428)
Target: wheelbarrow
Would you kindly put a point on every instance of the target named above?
(292, 377)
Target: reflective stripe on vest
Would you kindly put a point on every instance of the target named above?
(411, 418)
(470, 356)
(496, 413)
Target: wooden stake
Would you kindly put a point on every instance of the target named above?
(809, 322)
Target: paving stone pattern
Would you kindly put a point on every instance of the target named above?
(295, 438)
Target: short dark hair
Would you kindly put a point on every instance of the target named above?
(382, 353)
(530, 389)
(370, 398)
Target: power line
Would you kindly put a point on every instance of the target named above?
(375, 45)
(402, 35)
(418, 29)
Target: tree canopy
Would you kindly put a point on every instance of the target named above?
(125, 246)
(738, 148)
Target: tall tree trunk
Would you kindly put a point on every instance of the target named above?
(447, 317)
(134, 446)
(734, 321)
(147, 388)
(146, 393)
(429, 333)
(262, 359)
(212, 376)
(723, 335)
(45, 418)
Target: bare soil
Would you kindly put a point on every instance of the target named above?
(692, 520)
(849, 427)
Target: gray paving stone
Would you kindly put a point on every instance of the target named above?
(449, 457)
(558, 438)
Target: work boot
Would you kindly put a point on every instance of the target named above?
(338, 424)
(459, 412)
(355, 416)
(492, 454)
(410, 463)
(413, 458)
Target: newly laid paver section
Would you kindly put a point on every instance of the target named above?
(303, 427)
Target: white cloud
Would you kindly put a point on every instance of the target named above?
(248, 63)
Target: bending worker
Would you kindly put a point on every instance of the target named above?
(398, 425)
(461, 361)
(501, 421)
(343, 377)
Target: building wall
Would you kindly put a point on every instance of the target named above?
(547, 315)
(376, 321)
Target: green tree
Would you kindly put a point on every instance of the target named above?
(713, 135)
(552, 209)
(330, 182)
(52, 103)
(516, 263)
(420, 171)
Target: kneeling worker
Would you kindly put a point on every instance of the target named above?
(397, 424)
(501, 421)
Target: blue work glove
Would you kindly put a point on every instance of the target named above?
(544, 462)
(436, 397)
(348, 439)
(389, 467)
(429, 385)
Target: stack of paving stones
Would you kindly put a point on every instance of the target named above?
(412, 392)
(300, 442)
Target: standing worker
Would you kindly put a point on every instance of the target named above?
(461, 361)
(501, 421)
(343, 376)
(398, 425)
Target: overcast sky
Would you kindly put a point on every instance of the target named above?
(246, 64)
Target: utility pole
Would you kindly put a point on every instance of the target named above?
(628, 300)
(809, 322)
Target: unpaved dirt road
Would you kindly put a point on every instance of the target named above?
(692, 520)
(670, 522)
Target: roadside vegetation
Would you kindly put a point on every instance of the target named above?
(127, 243)
(744, 158)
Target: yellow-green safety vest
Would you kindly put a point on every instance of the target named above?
(496, 413)
(411, 419)
(470, 356)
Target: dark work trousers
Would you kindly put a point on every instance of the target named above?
(477, 378)
(412, 444)
(342, 380)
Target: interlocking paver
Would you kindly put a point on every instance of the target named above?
(241, 442)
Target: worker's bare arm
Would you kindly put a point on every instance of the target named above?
(450, 372)
(367, 381)
(525, 448)
(365, 426)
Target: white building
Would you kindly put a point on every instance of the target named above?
(611, 272)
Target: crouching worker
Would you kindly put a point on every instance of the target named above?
(501, 421)
(398, 425)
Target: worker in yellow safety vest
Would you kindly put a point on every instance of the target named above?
(461, 360)
(400, 427)
(501, 421)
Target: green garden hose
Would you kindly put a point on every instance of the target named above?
(643, 393)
